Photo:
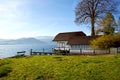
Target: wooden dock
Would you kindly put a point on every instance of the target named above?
(40, 53)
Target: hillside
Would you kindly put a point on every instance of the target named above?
(46, 39)
(32, 40)
(105, 67)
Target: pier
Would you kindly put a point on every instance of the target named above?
(40, 53)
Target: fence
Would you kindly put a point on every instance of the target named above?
(95, 51)
(80, 51)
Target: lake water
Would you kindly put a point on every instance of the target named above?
(11, 50)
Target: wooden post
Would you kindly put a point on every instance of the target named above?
(30, 51)
(69, 51)
(52, 50)
(43, 50)
(109, 50)
(80, 51)
(59, 49)
(117, 49)
(94, 52)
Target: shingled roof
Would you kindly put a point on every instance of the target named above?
(68, 35)
(82, 40)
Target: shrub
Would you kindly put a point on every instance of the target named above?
(103, 42)
(106, 41)
(117, 40)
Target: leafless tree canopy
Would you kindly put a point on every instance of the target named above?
(91, 10)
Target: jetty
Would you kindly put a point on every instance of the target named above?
(40, 53)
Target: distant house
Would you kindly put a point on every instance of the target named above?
(73, 41)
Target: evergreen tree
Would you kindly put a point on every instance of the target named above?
(107, 24)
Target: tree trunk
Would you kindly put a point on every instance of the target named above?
(92, 27)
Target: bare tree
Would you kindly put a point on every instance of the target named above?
(91, 10)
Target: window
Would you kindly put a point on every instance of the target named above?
(78, 47)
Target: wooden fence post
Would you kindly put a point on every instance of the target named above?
(30, 51)
(94, 51)
(43, 50)
(117, 49)
(80, 51)
(109, 50)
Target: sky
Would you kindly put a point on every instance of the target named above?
(31, 18)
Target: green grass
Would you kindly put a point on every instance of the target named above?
(104, 67)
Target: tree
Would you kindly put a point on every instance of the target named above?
(91, 10)
(107, 24)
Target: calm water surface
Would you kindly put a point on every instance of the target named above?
(11, 50)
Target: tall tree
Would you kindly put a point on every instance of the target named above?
(91, 10)
(107, 24)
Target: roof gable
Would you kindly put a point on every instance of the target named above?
(68, 35)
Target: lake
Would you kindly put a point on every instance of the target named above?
(11, 50)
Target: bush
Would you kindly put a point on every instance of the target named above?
(4, 71)
(117, 40)
(103, 42)
(106, 41)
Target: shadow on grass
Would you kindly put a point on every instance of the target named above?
(4, 71)
(93, 61)
(58, 58)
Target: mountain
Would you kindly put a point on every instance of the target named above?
(32, 40)
(21, 41)
(46, 39)
(3, 41)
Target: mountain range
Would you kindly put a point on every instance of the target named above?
(31, 40)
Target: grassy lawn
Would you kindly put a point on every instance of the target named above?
(104, 67)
